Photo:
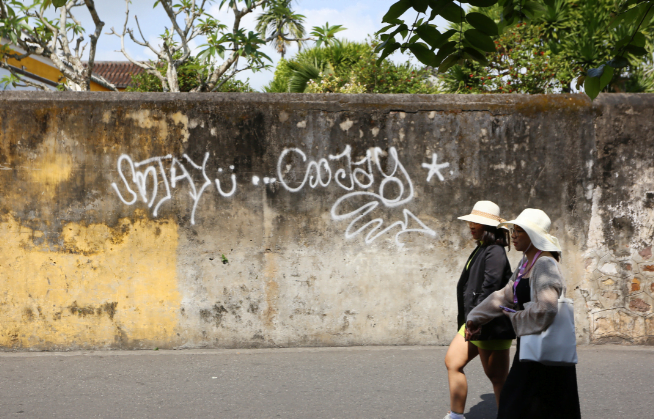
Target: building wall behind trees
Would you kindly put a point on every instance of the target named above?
(265, 220)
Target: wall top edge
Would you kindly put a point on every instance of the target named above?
(493, 103)
(398, 102)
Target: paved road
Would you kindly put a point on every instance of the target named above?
(378, 382)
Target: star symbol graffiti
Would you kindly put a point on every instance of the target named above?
(435, 168)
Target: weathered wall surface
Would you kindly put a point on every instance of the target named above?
(156, 220)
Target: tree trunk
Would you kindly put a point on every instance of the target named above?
(171, 76)
(76, 87)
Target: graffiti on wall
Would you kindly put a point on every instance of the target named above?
(368, 185)
(153, 168)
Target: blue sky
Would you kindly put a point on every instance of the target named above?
(360, 17)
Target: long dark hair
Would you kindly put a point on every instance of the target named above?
(556, 256)
(494, 235)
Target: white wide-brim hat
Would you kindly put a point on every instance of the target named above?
(484, 212)
(537, 225)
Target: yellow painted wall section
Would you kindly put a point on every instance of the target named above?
(47, 71)
(52, 166)
(108, 287)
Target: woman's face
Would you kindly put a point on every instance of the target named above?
(520, 238)
(477, 230)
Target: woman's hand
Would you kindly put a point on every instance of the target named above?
(472, 330)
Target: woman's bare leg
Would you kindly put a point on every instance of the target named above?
(458, 355)
(496, 366)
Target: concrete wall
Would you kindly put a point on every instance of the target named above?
(257, 220)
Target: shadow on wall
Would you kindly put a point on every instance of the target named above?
(485, 409)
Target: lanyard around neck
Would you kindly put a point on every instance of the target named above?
(521, 273)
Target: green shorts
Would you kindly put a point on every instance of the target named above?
(489, 345)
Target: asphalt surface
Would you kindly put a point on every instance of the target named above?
(368, 382)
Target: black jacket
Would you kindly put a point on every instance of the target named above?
(489, 271)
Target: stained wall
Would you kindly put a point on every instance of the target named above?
(262, 220)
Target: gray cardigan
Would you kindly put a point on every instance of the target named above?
(546, 282)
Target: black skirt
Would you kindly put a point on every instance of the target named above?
(536, 391)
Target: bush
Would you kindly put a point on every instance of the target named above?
(349, 67)
(521, 64)
(188, 80)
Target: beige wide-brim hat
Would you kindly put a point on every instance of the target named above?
(484, 212)
(537, 225)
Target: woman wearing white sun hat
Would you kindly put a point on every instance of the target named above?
(532, 390)
(487, 270)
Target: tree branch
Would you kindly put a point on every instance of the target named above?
(148, 68)
(52, 52)
(233, 58)
(231, 76)
(3, 10)
(197, 12)
(26, 83)
(283, 37)
(63, 40)
(99, 24)
(145, 43)
(173, 19)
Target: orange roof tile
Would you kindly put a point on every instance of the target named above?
(117, 72)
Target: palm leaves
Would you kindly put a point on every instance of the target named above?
(281, 26)
(326, 34)
(294, 75)
(302, 73)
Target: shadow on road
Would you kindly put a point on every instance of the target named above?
(485, 409)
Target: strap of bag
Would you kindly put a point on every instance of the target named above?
(521, 273)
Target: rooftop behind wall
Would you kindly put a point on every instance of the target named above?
(264, 220)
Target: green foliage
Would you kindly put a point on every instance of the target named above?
(278, 21)
(25, 26)
(10, 80)
(279, 83)
(326, 34)
(556, 47)
(308, 63)
(227, 50)
(443, 50)
(249, 47)
(470, 38)
(14, 20)
(348, 67)
(188, 78)
(629, 49)
(602, 42)
(522, 63)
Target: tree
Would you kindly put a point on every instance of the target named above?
(230, 44)
(629, 25)
(630, 45)
(454, 46)
(61, 40)
(188, 79)
(348, 67)
(521, 64)
(571, 38)
(326, 34)
(279, 22)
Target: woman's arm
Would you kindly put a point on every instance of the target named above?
(547, 286)
(488, 309)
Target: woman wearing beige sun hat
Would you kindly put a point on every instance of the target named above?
(532, 390)
(486, 270)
